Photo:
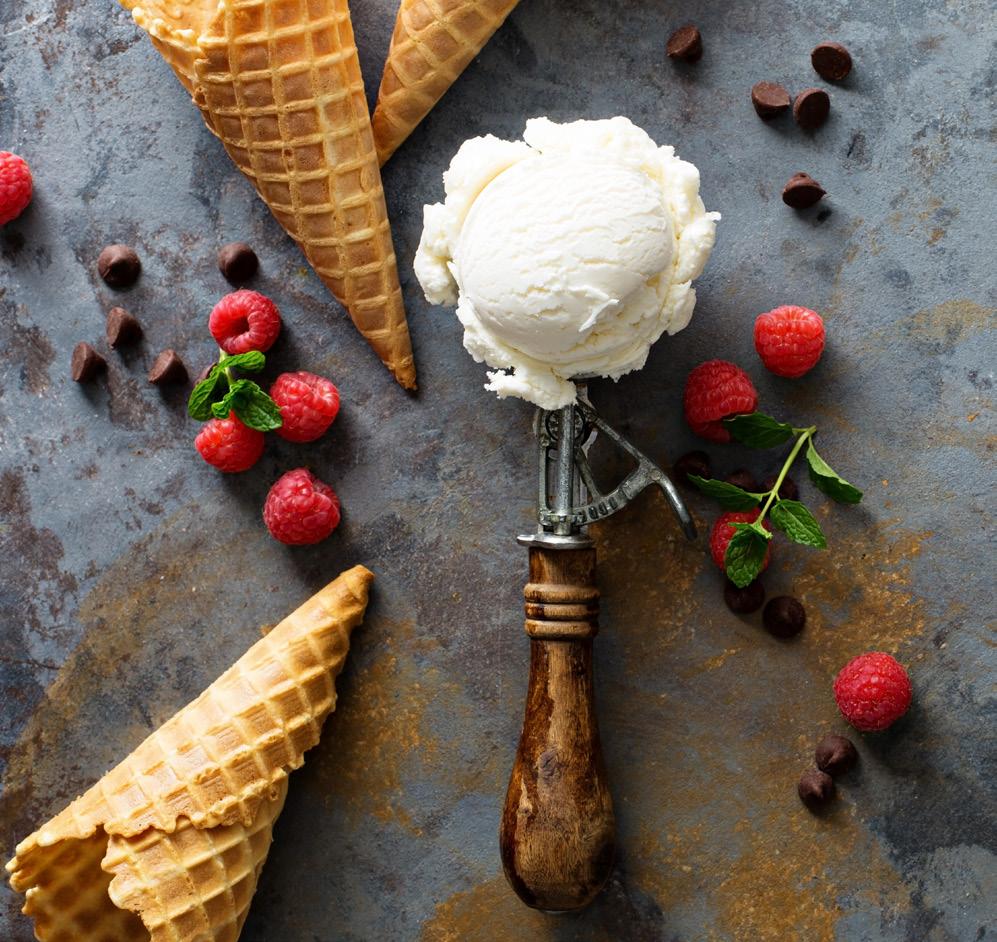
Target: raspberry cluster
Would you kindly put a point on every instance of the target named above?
(299, 509)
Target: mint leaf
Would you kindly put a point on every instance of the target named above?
(252, 361)
(745, 554)
(757, 430)
(797, 523)
(825, 478)
(253, 406)
(728, 496)
(199, 403)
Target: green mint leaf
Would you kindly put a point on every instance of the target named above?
(199, 403)
(237, 394)
(797, 523)
(757, 430)
(728, 496)
(745, 554)
(825, 478)
(252, 361)
(254, 407)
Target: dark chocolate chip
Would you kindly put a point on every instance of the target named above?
(770, 99)
(835, 754)
(237, 262)
(746, 600)
(811, 108)
(815, 789)
(122, 327)
(743, 479)
(119, 266)
(787, 490)
(86, 363)
(168, 369)
(784, 616)
(685, 43)
(693, 462)
(831, 61)
(802, 191)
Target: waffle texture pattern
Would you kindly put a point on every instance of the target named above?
(433, 42)
(278, 81)
(168, 845)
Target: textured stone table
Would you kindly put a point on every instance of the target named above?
(132, 573)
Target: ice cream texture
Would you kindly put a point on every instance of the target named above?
(568, 253)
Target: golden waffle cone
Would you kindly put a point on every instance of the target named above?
(168, 845)
(433, 42)
(279, 82)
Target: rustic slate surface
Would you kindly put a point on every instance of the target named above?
(133, 574)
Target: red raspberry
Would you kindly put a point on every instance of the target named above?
(714, 390)
(872, 691)
(789, 340)
(308, 405)
(244, 320)
(229, 445)
(15, 186)
(301, 509)
(722, 532)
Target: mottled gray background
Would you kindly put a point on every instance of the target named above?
(133, 573)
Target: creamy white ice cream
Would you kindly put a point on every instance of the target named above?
(567, 253)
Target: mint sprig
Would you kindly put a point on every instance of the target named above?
(793, 518)
(757, 430)
(745, 555)
(728, 496)
(220, 394)
(829, 481)
(746, 551)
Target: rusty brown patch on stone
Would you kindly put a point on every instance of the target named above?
(732, 721)
(489, 912)
(30, 353)
(42, 586)
(167, 578)
(380, 726)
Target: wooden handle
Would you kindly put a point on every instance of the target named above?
(558, 832)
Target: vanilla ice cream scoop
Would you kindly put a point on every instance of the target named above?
(567, 254)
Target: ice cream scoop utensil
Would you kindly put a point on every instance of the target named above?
(557, 835)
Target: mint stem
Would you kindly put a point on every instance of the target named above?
(805, 435)
(229, 378)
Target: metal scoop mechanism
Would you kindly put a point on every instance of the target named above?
(569, 497)
(558, 832)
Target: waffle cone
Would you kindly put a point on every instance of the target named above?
(168, 845)
(433, 42)
(278, 81)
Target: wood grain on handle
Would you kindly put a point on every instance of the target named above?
(558, 832)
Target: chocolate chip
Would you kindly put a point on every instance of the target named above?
(86, 363)
(784, 616)
(835, 754)
(770, 99)
(743, 479)
(686, 44)
(237, 262)
(815, 789)
(746, 600)
(168, 369)
(693, 462)
(802, 191)
(811, 108)
(831, 61)
(787, 490)
(119, 266)
(122, 328)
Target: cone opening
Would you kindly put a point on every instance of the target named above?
(70, 896)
